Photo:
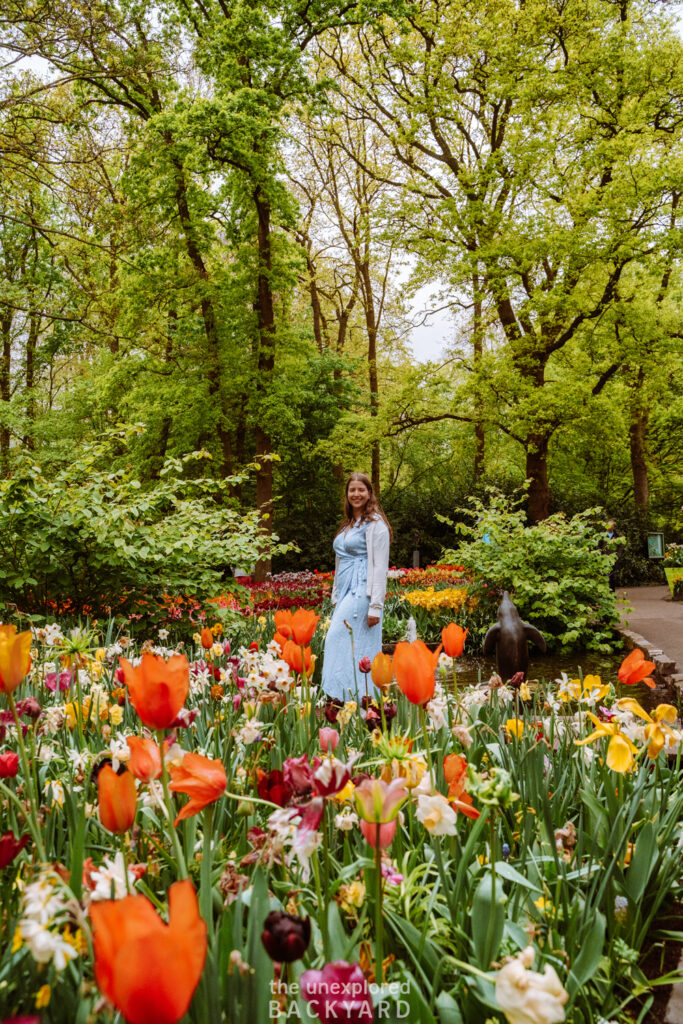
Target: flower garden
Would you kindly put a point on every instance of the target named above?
(189, 834)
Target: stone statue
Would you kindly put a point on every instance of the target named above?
(509, 639)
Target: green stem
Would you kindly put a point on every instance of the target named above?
(31, 818)
(122, 847)
(205, 889)
(492, 914)
(79, 707)
(379, 950)
(177, 848)
(428, 749)
(322, 910)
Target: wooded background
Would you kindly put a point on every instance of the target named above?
(214, 216)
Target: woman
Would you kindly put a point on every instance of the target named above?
(361, 547)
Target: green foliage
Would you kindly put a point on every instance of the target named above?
(556, 571)
(96, 539)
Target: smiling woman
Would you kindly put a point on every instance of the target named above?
(361, 547)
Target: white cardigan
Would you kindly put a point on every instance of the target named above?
(378, 540)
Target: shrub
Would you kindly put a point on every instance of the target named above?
(556, 571)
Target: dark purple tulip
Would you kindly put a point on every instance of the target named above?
(286, 936)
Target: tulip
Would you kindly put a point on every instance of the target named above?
(9, 765)
(386, 833)
(381, 671)
(118, 799)
(298, 774)
(63, 680)
(328, 738)
(272, 786)
(378, 801)
(415, 668)
(158, 688)
(453, 638)
(145, 758)
(291, 653)
(331, 776)
(29, 707)
(202, 779)
(10, 847)
(338, 993)
(15, 657)
(286, 936)
(207, 638)
(365, 666)
(634, 669)
(455, 774)
(149, 970)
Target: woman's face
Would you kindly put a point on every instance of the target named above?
(358, 495)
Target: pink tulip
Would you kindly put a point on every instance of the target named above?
(386, 833)
(365, 665)
(64, 680)
(338, 993)
(298, 774)
(328, 738)
(379, 802)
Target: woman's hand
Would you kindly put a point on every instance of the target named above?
(373, 620)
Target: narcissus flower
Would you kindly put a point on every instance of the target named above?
(202, 779)
(635, 669)
(149, 970)
(157, 688)
(382, 671)
(436, 814)
(620, 750)
(658, 730)
(145, 758)
(453, 638)
(118, 799)
(15, 657)
(415, 668)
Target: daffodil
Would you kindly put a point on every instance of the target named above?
(588, 691)
(620, 751)
(514, 727)
(658, 730)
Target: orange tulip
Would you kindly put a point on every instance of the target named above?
(207, 638)
(453, 637)
(455, 773)
(298, 626)
(15, 657)
(291, 653)
(382, 671)
(280, 640)
(414, 669)
(634, 669)
(157, 688)
(118, 799)
(145, 758)
(202, 779)
(147, 969)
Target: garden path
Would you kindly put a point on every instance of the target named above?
(657, 618)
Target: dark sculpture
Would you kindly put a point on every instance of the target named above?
(509, 640)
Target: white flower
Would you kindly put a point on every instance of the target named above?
(250, 731)
(163, 634)
(79, 759)
(53, 719)
(346, 820)
(54, 791)
(436, 814)
(110, 881)
(304, 844)
(46, 945)
(527, 997)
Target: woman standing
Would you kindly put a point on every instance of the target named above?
(361, 547)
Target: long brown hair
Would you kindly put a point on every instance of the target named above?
(372, 506)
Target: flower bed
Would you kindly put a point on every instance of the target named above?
(430, 853)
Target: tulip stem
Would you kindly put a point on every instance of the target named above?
(205, 890)
(28, 818)
(379, 951)
(455, 691)
(177, 848)
(28, 776)
(122, 847)
(492, 913)
(428, 749)
(322, 908)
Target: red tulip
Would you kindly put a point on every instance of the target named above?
(272, 786)
(634, 669)
(202, 779)
(9, 765)
(118, 799)
(453, 637)
(149, 970)
(415, 668)
(157, 688)
(10, 847)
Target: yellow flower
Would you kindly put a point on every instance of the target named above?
(592, 689)
(620, 751)
(347, 712)
(115, 714)
(344, 795)
(525, 692)
(352, 896)
(658, 729)
(17, 940)
(42, 997)
(515, 727)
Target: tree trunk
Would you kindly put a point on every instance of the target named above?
(31, 342)
(538, 500)
(5, 371)
(265, 365)
(477, 346)
(636, 435)
(371, 325)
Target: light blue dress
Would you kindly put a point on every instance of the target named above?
(352, 605)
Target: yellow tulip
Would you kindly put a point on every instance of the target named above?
(515, 727)
(15, 657)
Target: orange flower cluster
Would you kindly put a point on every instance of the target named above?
(294, 631)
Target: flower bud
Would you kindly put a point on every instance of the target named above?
(286, 936)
